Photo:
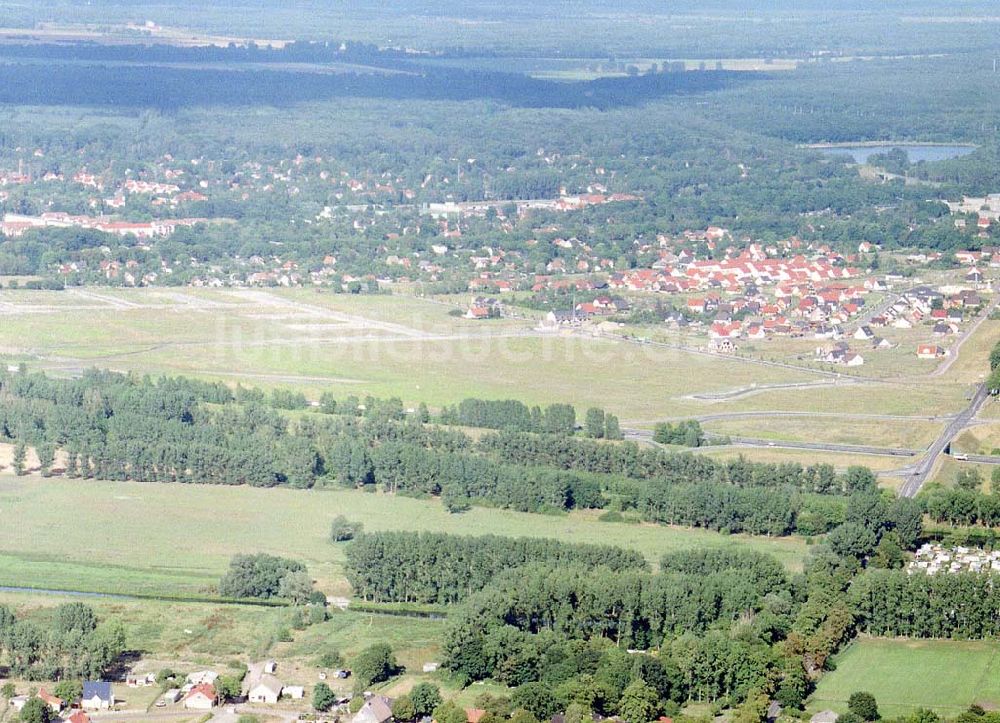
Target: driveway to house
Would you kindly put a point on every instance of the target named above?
(868, 314)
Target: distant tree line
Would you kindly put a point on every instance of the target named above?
(720, 506)
(169, 88)
(958, 506)
(511, 414)
(464, 477)
(631, 460)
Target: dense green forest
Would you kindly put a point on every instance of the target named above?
(441, 568)
(149, 85)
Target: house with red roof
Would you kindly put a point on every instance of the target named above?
(54, 703)
(201, 697)
(696, 305)
(722, 330)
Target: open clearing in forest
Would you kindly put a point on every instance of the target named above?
(903, 675)
(174, 539)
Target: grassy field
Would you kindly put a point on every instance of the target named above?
(160, 539)
(917, 399)
(412, 348)
(911, 434)
(899, 361)
(948, 468)
(972, 363)
(177, 539)
(981, 439)
(383, 345)
(646, 383)
(946, 676)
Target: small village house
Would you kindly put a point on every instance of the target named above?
(97, 696)
(54, 703)
(930, 351)
(266, 689)
(200, 697)
(377, 709)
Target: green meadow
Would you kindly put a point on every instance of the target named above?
(943, 675)
(172, 539)
(414, 349)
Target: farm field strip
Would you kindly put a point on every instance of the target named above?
(805, 457)
(981, 438)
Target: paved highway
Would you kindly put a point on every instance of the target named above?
(923, 468)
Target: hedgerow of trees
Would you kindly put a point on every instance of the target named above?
(118, 427)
